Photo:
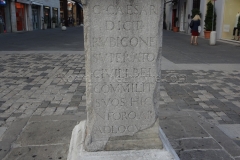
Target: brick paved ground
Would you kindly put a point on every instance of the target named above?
(199, 111)
(41, 84)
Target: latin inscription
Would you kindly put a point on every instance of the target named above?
(124, 57)
(125, 10)
(123, 73)
(124, 25)
(124, 42)
(123, 102)
(126, 46)
(123, 87)
(123, 116)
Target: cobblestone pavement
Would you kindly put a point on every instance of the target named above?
(214, 94)
(199, 111)
(54, 84)
(41, 84)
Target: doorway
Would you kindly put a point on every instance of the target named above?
(35, 17)
(174, 13)
(20, 16)
(47, 16)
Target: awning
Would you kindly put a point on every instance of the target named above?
(24, 1)
(36, 3)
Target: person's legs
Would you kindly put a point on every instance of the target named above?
(196, 39)
(192, 39)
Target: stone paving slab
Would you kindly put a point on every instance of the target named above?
(54, 152)
(232, 130)
(40, 137)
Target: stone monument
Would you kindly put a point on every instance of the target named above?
(123, 45)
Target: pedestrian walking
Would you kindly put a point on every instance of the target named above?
(194, 25)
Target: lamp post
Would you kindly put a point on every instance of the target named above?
(213, 34)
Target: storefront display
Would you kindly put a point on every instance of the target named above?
(230, 20)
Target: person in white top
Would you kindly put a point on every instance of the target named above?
(235, 27)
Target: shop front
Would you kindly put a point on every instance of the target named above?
(231, 18)
(2, 16)
(20, 16)
(71, 12)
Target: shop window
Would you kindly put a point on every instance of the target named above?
(230, 20)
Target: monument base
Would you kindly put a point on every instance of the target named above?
(77, 152)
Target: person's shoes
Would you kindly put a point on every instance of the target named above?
(191, 43)
(233, 39)
(196, 44)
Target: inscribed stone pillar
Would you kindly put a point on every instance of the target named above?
(123, 45)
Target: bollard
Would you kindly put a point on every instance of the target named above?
(213, 37)
(64, 28)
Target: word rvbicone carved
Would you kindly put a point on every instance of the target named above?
(125, 9)
(124, 42)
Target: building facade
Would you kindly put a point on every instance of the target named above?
(227, 12)
(71, 12)
(28, 15)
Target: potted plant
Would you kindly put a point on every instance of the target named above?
(54, 21)
(209, 22)
(175, 28)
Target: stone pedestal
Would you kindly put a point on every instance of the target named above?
(77, 152)
(123, 45)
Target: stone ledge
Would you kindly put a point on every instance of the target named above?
(76, 150)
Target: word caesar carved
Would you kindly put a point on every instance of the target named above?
(123, 51)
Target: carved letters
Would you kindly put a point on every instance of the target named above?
(128, 88)
(124, 42)
(128, 9)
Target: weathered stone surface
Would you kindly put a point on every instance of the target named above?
(46, 132)
(58, 151)
(123, 45)
(77, 152)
